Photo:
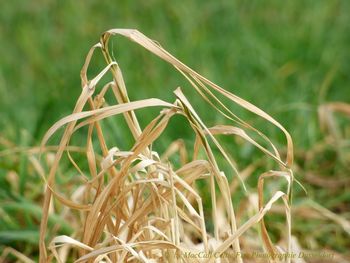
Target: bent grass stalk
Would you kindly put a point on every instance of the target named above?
(134, 205)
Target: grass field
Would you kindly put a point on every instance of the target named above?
(291, 59)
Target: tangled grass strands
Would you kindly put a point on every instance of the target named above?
(133, 204)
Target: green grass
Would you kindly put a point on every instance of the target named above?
(288, 58)
(258, 50)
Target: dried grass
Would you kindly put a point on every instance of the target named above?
(133, 205)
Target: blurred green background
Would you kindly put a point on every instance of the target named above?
(286, 57)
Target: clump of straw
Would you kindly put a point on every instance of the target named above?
(133, 205)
